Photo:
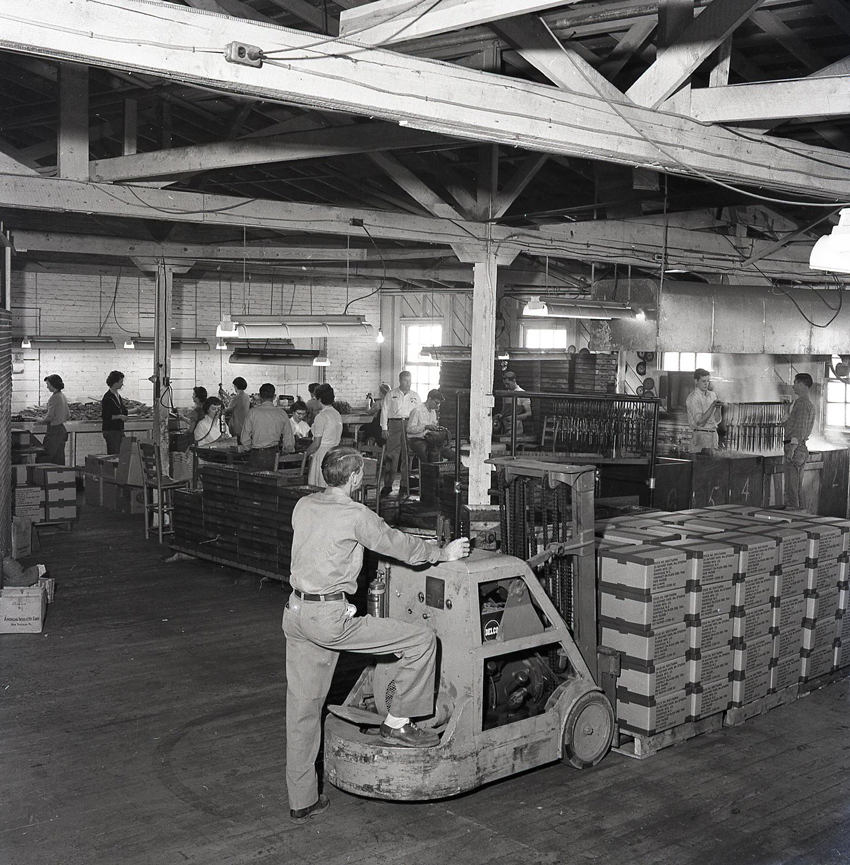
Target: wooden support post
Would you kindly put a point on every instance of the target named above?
(162, 356)
(73, 143)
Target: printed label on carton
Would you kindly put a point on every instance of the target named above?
(667, 677)
(648, 568)
(661, 645)
(822, 604)
(756, 655)
(757, 622)
(716, 598)
(793, 579)
(716, 664)
(758, 589)
(711, 633)
(824, 575)
(791, 612)
(669, 711)
(787, 671)
(716, 697)
(655, 610)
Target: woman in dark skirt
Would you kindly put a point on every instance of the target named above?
(114, 412)
(57, 415)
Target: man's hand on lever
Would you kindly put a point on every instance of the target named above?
(458, 549)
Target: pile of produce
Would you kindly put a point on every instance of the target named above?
(84, 411)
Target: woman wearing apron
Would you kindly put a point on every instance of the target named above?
(327, 432)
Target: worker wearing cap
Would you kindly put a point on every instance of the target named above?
(703, 413)
(57, 413)
(798, 427)
(396, 409)
(330, 532)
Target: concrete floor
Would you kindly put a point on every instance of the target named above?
(145, 725)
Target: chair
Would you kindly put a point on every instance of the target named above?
(162, 503)
(373, 473)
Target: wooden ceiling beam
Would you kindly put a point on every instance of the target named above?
(309, 14)
(773, 100)
(674, 65)
(420, 192)
(385, 22)
(428, 95)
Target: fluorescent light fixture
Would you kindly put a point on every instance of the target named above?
(535, 306)
(321, 360)
(380, 337)
(226, 327)
(129, 344)
(68, 341)
(597, 310)
(832, 251)
(273, 351)
(178, 343)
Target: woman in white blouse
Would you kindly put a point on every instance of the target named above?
(208, 429)
(327, 432)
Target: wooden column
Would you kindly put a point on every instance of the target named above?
(73, 143)
(486, 260)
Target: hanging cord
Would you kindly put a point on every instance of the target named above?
(383, 276)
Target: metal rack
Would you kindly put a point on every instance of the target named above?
(754, 427)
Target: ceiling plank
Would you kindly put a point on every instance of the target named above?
(838, 11)
(773, 100)
(394, 86)
(774, 26)
(313, 144)
(559, 62)
(515, 186)
(632, 42)
(317, 18)
(413, 186)
(15, 162)
(388, 21)
(675, 64)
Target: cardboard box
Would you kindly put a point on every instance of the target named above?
(22, 609)
(839, 523)
(21, 475)
(818, 662)
(130, 500)
(710, 599)
(825, 541)
(710, 633)
(754, 622)
(822, 604)
(28, 496)
(709, 666)
(793, 544)
(757, 553)
(60, 511)
(109, 493)
(820, 635)
(650, 715)
(752, 686)
(35, 513)
(822, 574)
(129, 470)
(49, 586)
(792, 580)
(50, 474)
(21, 536)
(652, 679)
(709, 698)
(708, 561)
(108, 466)
(93, 489)
(786, 672)
(754, 590)
(646, 567)
(755, 655)
(650, 646)
(642, 609)
(61, 493)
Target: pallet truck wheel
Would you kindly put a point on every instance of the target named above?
(588, 731)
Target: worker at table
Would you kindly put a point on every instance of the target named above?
(797, 429)
(57, 413)
(113, 411)
(428, 440)
(523, 405)
(703, 413)
(395, 410)
(313, 404)
(266, 432)
(237, 409)
(327, 432)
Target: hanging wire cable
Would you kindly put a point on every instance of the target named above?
(383, 276)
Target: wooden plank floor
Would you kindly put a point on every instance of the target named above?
(146, 726)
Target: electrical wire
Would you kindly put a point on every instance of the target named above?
(383, 276)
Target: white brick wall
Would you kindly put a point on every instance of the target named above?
(77, 304)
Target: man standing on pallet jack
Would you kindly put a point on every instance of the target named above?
(329, 534)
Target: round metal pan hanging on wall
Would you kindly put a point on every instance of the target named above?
(648, 384)
(639, 390)
(649, 356)
(640, 369)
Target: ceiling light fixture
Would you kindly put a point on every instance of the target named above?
(293, 326)
(221, 345)
(226, 327)
(130, 343)
(321, 360)
(25, 342)
(380, 337)
(832, 251)
(597, 310)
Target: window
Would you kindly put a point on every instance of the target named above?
(685, 361)
(837, 398)
(424, 372)
(538, 337)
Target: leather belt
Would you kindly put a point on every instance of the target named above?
(306, 596)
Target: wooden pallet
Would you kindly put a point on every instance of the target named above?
(230, 563)
(782, 697)
(818, 682)
(640, 747)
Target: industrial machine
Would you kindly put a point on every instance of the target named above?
(514, 689)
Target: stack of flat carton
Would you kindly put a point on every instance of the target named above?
(45, 492)
(764, 596)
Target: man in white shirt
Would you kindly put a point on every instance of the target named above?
(424, 436)
(523, 405)
(703, 413)
(396, 409)
(266, 429)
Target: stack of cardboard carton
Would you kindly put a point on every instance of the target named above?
(45, 492)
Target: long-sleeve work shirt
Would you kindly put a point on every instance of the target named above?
(265, 426)
(57, 409)
(330, 532)
(698, 404)
(800, 420)
(420, 418)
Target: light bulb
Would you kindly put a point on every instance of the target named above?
(380, 337)
(321, 360)
(535, 306)
(129, 344)
(25, 342)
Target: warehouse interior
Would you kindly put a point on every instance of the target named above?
(598, 198)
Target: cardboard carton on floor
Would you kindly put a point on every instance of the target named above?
(22, 609)
(21, 537)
